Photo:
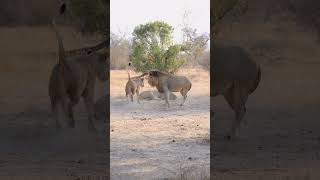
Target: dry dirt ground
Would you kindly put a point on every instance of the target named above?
(150, 142)
(30, 147)
(282, 139)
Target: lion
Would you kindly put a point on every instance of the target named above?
(153, 95)
(235, 77)
(133, 86)
(166, 83)
(74, 78)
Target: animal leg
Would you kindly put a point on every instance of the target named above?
(71, 117)
(184, 100)
(236, 98)
(184, 92)
(131, 97)
(166, 96)
(56, 113)
(138, 98)
(90, 109)
(241, 107)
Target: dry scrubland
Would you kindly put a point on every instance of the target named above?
(150, 142)
(30, 146)
(282, 139)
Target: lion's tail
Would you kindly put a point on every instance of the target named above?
(129, 78)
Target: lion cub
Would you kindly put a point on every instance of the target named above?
(133, 86)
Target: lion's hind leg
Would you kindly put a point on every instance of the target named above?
(71, 122)
(236, 98)
(57, 113)
(138, 96)
(60, 113)
(167, 96)
(184, 92)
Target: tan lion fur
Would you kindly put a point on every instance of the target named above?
(235, 76)
(74, 78)
(152, 95)
(166, 83)
(133, 86)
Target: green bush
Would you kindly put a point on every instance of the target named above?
(152, 48)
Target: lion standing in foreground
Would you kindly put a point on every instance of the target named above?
(166, 83)
(74, 78)
(235, 76)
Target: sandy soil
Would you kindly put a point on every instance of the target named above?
(150, 142)
(30, 147)
(282, 139)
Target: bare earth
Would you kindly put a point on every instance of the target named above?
(150, 142)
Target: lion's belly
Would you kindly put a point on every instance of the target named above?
(178, 83)
(174, 89)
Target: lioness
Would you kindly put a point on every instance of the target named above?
(133, 86)
(73, 78)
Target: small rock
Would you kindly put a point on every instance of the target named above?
(190, 158)
(173, 140)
